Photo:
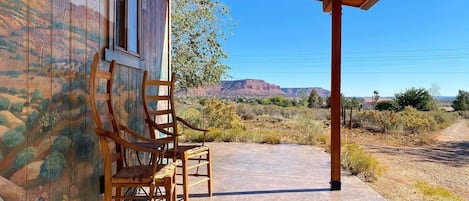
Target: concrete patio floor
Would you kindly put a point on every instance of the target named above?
(261, 172)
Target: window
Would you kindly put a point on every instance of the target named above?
(125, 40)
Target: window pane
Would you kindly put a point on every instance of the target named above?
(121, 39)
(132, 26)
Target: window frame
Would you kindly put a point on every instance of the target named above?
(121, 54)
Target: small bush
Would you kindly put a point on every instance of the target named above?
(358, 162)
(32, 118)
(21, 128)
(49, 120)
(435, 193)
(310, 132)
(53, 166)
(37, 95)
(443, 118)
(24, 157)
(271, 137)
(44, 105)
(4, 103)
(16, 108)
(13, 91)
(193, 116)
(62, 144)
(387, 105)
(222, 115)
(12, 138)
(416, 122)
(378, 121)
(464, 114)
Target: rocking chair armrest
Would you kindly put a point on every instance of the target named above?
(121, 141)
(140, 137)
(190, 125)
(160, 129)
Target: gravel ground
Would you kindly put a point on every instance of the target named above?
(445, 164)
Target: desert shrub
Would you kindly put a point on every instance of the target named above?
(24, 157)
(3, 89)
(245, 111)
(62, 144)
(222, 115)
(12, 138)
(23, 91)
(16, 107)
(378, 121)
(53, 166)
(435, 193)
(270, 137)
(442, 118)
(464, 114)
(3, 119)
(193, 116)
(387, 105)
(4, 103)
(310, 131)
(49, 120)
(360, 163)
(415, 122)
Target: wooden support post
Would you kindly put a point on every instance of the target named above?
(335, 94)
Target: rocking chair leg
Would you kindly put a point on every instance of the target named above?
(185, 178)
(209, 172)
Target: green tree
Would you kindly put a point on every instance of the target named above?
(462, 101)
(313, 99)
(37, 94)
(197, 28)
(53, 166)
(387, 105)
(419, 99)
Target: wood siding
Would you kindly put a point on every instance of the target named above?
(48, 148)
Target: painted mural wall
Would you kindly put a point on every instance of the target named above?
(48, 148)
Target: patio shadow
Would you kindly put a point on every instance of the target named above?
(262, 192)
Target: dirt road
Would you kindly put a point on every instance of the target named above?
(443, 164)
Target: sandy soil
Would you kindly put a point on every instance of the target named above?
(444, 163)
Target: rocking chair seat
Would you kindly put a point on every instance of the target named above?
(187, 149)
(139, 174)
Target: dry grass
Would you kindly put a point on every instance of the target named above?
(435, 193)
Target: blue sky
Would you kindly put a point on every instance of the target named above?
(396, 45)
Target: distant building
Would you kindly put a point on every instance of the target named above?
(368, 102)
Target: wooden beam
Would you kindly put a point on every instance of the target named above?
(335, 93)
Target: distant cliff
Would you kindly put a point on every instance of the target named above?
(251, 88)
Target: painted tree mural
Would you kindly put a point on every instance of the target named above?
(48, 149)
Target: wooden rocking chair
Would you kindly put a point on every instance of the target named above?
(127, 179)
(158, 103)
